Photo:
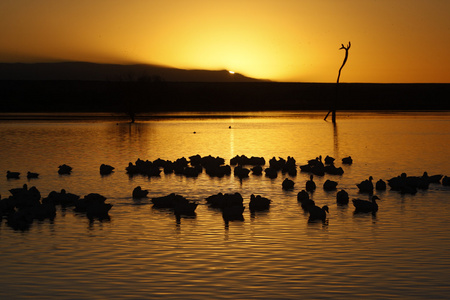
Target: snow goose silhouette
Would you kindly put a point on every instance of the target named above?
(317, 213)
(258, 203)
(366, 206)
(64, 169)
(432, 178)
(288, 184)
(446, 181)
(366, 186)
(32, 175)
(380, 185)
(10, 175)
(329, 160)
(139, 193)
(347, 160)
(330, 185)
(310, 184)
(106, 169)
(302, 196)
(342, 197)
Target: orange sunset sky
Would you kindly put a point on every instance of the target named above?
(393, 41)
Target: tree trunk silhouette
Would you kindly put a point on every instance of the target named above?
(334, 107)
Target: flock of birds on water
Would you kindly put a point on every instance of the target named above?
(26, 204)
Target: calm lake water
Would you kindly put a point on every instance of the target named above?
(402, 252)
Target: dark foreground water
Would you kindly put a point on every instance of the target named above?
(403, 251)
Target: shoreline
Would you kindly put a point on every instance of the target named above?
(118, 117)
(145, 97)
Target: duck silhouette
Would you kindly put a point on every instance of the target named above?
(365, 205)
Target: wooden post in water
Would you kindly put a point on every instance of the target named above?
(333, 109)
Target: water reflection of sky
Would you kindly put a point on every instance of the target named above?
(144, 252)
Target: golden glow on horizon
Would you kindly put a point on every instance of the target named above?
(288, 40)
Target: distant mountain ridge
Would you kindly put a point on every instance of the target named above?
(113, 72)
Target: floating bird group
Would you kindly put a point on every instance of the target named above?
(25, 204)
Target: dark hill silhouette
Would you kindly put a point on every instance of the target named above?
(87, 87)
(113, 72)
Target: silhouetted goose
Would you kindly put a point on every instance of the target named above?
(32, 175)
(305, 201)
(12, 175)
(315, 161)
(221, 200)
(139, 193)
(342, 197)
(314, 166)
(185, 208)
(310, 184)
(302, 196)
(218, 171)
(290, 167)
(366, 186)
(277, 164)
(94, 206)
(106, 169)
(241, 172)
(446, 181)
(380, 185)
(307, 204)
(432, 178)
(271, 173)
(231, 213)
(318, 213)
(405, 184)
(17, 191)
(330, 185)
(169, 201)
(259, 203)
(366, 206)
(333, 170)
(257, 170)
(347, 160)
(64, 169)
(98, 210)
(63, 198)
(329, 160)
(288, 184)
(244, 160)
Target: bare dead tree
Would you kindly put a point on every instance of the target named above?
(333, 109)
